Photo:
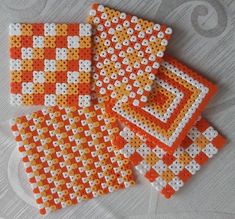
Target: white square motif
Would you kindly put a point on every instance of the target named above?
(176, 167)
(160, 167)
(61, 88)
(15, 29)
(16, 99)
(84, 100)
(38, 41)
(50, 100)
(72, 77)
(85, 30)
(210, 150)
(85, 65)
(15, 64)
(193, 150)
(210, 133)
(38, 77)
(27, 87)
(61, 53)
(73, 42)
(49, 65)
(193, 167)
(159, 183)
(26, 53)
(49, 29)
(176, 183)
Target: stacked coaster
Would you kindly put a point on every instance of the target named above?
(90, 77)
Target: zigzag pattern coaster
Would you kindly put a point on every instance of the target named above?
(68, 155)
(177, 99)
(50, 64)
(167, 172)
(127, 54)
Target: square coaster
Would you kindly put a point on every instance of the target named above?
(68, 155)
(177, 100)
(127, 54)
(50, 64)
(169, 172)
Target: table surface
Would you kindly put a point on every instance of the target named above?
(204, 39)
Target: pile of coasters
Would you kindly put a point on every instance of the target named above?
(112, 101)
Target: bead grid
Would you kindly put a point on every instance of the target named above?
(74, 150)
(168, 172)
(68, 155)
(178, 98)
(127, 54)
(50, 64)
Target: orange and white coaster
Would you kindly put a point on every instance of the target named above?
(127, 54)
(177, 100)
(169, 172)
(68, 155)
(50, 64)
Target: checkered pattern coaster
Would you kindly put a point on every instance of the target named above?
(50, 64)
(178, 98)
(68, 155)
(168, 172)
(127, 54)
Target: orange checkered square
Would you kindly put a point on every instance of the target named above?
(178, 98)
(50, 64)
(127, 54)
(169, 172)
(68, 155)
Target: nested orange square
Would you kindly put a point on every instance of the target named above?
(179, 95)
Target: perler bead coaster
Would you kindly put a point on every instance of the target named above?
(68, 155)
(127, 53)
(50, 64)
(177, 100)
(166, 172)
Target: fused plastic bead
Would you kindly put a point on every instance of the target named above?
(127, 54)
(169, 172)
(179, 96)
(68, 155)
(50, 64)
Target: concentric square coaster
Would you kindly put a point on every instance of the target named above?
(127, 54)
(169, 172)
(68, 155)
(50, 64)
(178, 98)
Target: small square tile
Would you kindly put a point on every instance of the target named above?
(178, 97)
(43, 55)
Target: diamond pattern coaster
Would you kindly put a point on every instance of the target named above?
(169, 172)
(50, 64)
(127, 54)
(179, 95)
(68, 155)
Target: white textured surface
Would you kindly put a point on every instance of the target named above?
(205, 43)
